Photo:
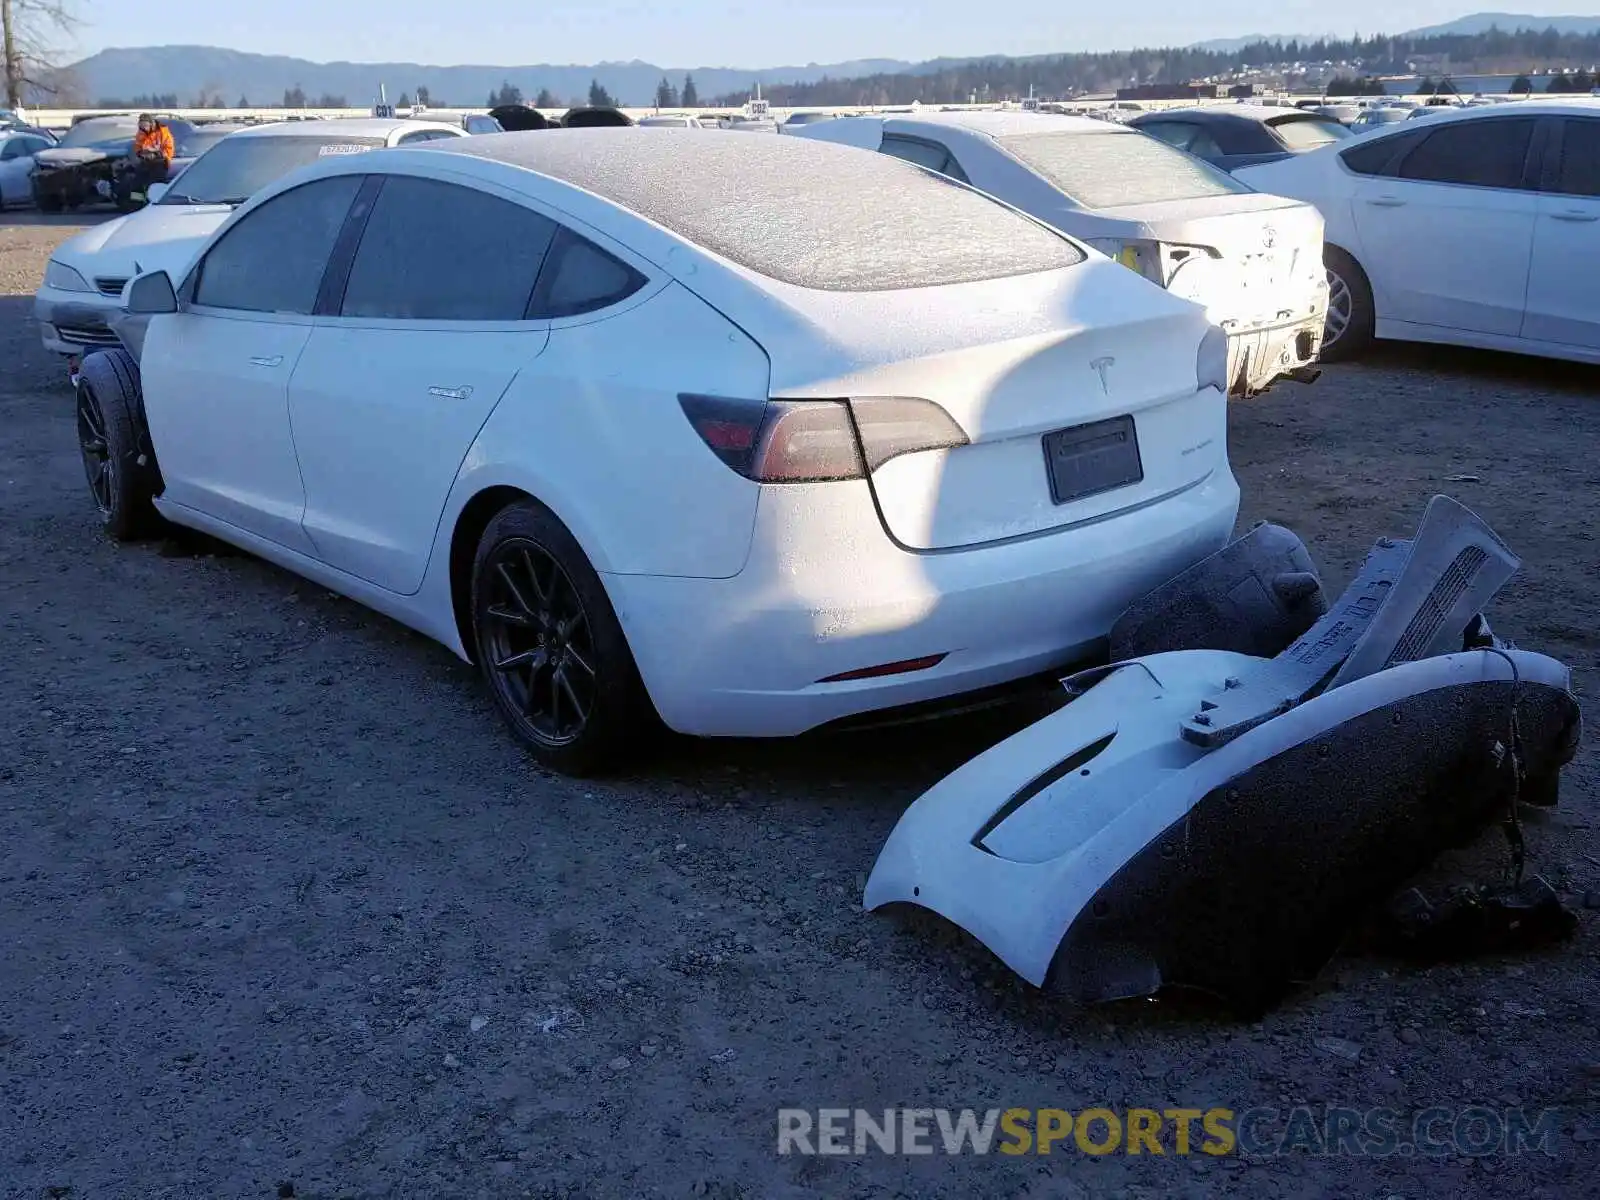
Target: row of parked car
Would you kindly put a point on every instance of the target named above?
(748, 436)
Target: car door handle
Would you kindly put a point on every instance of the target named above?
(263, 361)
(1386, 202)
(455, 393)
(1576, 214)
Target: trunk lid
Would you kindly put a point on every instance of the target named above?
(1014, 362)
(1269, 251)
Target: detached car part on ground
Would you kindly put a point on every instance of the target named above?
(1216, 818)
(1253, 261)
(656, 425)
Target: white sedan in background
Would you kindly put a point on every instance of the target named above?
(1477, 227)
(84, 279)
(1253, 261)
(17, 148)
(732, 429)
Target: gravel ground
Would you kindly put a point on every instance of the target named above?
(284, 908)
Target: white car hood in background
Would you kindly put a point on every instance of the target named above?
(163, 237)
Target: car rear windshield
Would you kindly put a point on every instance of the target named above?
(798, 210)
(236, 168)
(1304, 133)
(1109, 170)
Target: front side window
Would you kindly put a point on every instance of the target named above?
(273, 259)
(435, 251)
(1108, 170)
(924, 154)
(1578, 171)
(237, 168)
(424, 135)
(1174, 133)
(1476, 153)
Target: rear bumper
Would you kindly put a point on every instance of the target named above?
(1257, 358)
(743, 657)
(74, 322)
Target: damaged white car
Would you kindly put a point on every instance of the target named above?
(750, 435)
(1252, 260)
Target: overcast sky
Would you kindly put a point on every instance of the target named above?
(689, 33)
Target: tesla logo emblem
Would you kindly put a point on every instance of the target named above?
(1269, 237)
(1103, 366)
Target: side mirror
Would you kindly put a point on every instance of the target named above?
(155, 191)
(151, 294)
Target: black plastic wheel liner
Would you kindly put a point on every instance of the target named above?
(1253, 891)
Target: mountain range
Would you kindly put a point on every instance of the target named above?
(190, 71)
(262, 79)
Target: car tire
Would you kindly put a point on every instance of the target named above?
(117, 459)
(551, 649)
(1348, 331)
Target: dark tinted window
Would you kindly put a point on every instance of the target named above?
(1173, 133)
(273, 259)
(580, 278)
(1375, 156)
(925, 154)
(425, 135)
(435, 251)
(1578, 173)
(1482, 153)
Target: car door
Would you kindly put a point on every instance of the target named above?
(1562, 305)
(1447, 235)
(217, 371)
(16, 166)
(426, 332)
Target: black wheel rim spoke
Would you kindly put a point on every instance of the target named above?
(536, 638)
(95, 448)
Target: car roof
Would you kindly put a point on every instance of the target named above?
(1003, 124)
(794, 203)
(374, 127)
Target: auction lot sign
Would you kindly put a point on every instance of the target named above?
(1474, 1131)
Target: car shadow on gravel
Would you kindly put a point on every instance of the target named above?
(1519, 371)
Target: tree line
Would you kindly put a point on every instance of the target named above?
(955, 81)
(668, 95)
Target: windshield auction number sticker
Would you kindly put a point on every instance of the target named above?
(341, 148)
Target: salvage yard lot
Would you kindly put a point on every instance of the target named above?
(282, 903)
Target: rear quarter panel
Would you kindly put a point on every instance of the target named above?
(593, 430)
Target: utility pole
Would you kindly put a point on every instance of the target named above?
(13, 64)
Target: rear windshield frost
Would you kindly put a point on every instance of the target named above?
(813, 214)
(1108, 170)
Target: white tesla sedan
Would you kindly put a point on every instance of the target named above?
(83, 282)
(1475, 227)
(759, 432)
(1253, 261)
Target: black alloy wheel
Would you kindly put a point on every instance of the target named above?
(99, 463)
(540, 651)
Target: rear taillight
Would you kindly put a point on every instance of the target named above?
(814, 441)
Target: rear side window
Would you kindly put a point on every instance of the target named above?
(579, 278)
(1578, 172)
(435, 251)
(1376, 156)
(924, 154)
(1477, 153)
(1108, 170)
(273, 260)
